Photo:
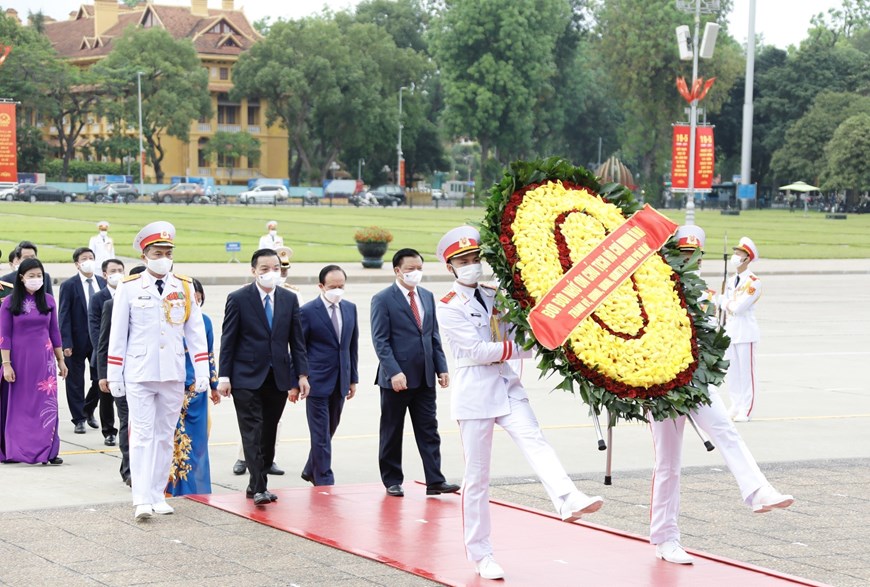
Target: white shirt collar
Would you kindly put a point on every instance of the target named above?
(263, 293)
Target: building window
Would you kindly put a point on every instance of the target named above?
(221, 28)
(228, 112)
(253, 114)
(214, 72)
(225, 73)
(202, 160)
(148, 20)
(225, 161)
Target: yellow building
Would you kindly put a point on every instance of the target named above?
(219, 37)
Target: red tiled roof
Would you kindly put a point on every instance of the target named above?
(67, 36)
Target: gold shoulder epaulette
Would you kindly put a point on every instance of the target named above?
(446, 299)
(291, 287)
(132, 277)
(183, 277)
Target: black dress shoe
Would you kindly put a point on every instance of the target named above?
(110, 440)
(272, 496)
(80, 428)
(92, 422)
(262, 498)
(396, 491)
(306, 477)
(128, 482)
(439, 488)
(275, 470)
(239, 468)
(54, 461)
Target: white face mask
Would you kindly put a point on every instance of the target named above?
(159, 266)
(269, 279)
(114, 279)
(334, 295)
(469, 274)
(87, 266)
(33, 284)
(273, 232)
(735, 261)
(103, 231)
(413, 278)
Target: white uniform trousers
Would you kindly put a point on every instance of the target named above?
(741, 377)
(154, 410)
(668, 442)
(476, 435)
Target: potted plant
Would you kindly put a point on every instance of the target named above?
(372, 243)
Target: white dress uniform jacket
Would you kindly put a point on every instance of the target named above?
(267, 241)
(739, 304)
(146, 343)
(103, 247)
(483, 348)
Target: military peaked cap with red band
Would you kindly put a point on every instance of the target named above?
(157, 233)
(458, 241)
(690, 237)
(746, 245)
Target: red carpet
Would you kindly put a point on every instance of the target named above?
(424, 536)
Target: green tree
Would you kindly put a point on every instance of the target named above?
(228, 147)
(32, 148)
(73, 94)
(849, 155)
(174, 88)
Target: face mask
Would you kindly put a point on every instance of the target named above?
(269, 279)
(33, 284)
(160, 266)
(735, 261)
(87, 266)
(103, 232)
(114, 279)
(413, 278)
(334, 295)
(469, 274)
(273, 232)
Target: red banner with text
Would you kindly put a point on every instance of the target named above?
(8, 143)
(705, 157)
(680, 157)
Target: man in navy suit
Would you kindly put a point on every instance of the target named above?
(75, 299)
(329, 326)
(262, 358)
(408, 345)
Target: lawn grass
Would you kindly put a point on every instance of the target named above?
(323, 234)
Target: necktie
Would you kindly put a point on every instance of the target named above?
(159, 284)
(737, 281)
(479, 299)
(269, 311)
(90, 281)
(415, 310)
(333, 315)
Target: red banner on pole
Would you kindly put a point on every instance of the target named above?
(582, 289)
(8, 143)
(680, 157)
(705, 157)
(401, 181)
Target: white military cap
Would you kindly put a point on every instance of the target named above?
(746, 245)
(271, 224)
(690, 237)
(284, 255)
(458, 241)
(157, 233)
(103, 223)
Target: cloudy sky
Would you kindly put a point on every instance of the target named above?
(782, 22)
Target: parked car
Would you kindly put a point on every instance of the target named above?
(7, 191)
(384, 199)
(395, 191)
(188, 193)
(264, 194)
(114, 192)
(43, 193)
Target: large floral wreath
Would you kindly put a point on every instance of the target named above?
(650, 346)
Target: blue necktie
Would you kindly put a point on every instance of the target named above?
(269, 311)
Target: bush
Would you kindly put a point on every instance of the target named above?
(79, 170)
(373, 234)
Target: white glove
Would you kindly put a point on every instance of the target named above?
(117, 388)
(201, 385)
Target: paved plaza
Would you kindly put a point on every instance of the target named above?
(72, 525)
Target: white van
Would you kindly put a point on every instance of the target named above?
(456, 190)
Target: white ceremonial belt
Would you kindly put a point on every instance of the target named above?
(468, 362)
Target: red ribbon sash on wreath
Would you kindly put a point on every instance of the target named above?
(582, 289)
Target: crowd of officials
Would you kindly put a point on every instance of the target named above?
(137, 343)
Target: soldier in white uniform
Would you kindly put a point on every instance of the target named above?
(102, 244)
(668, 440)
(154, 315)
(271, 240)
(487, 391)
(742, 290)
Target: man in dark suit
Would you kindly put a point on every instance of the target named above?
(408, 345)
(24, 250)
(329, 326)
(75, 297)
(113, 273)
(262, 358)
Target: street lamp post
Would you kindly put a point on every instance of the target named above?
(360, 163)
(399, 144)
(141, 148)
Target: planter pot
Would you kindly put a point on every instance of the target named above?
(373, 254)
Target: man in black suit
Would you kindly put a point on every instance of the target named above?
(24, 250)
(408, 345)
(75, 297)
(113, 273)
(329, 325)
(262, 358)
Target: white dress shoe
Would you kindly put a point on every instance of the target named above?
(162, 508)
(487, 568)
(578, 504)
(672, 552)
(143, 512)
(741, 418)
(767, 498)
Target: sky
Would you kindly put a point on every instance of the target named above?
(781, 22)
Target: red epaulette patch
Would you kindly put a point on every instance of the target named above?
(446, 299)
(753, 277)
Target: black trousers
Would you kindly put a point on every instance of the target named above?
(420, 404)
(81, 405)
(258, 412)
(123, 435)
(324, 415)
